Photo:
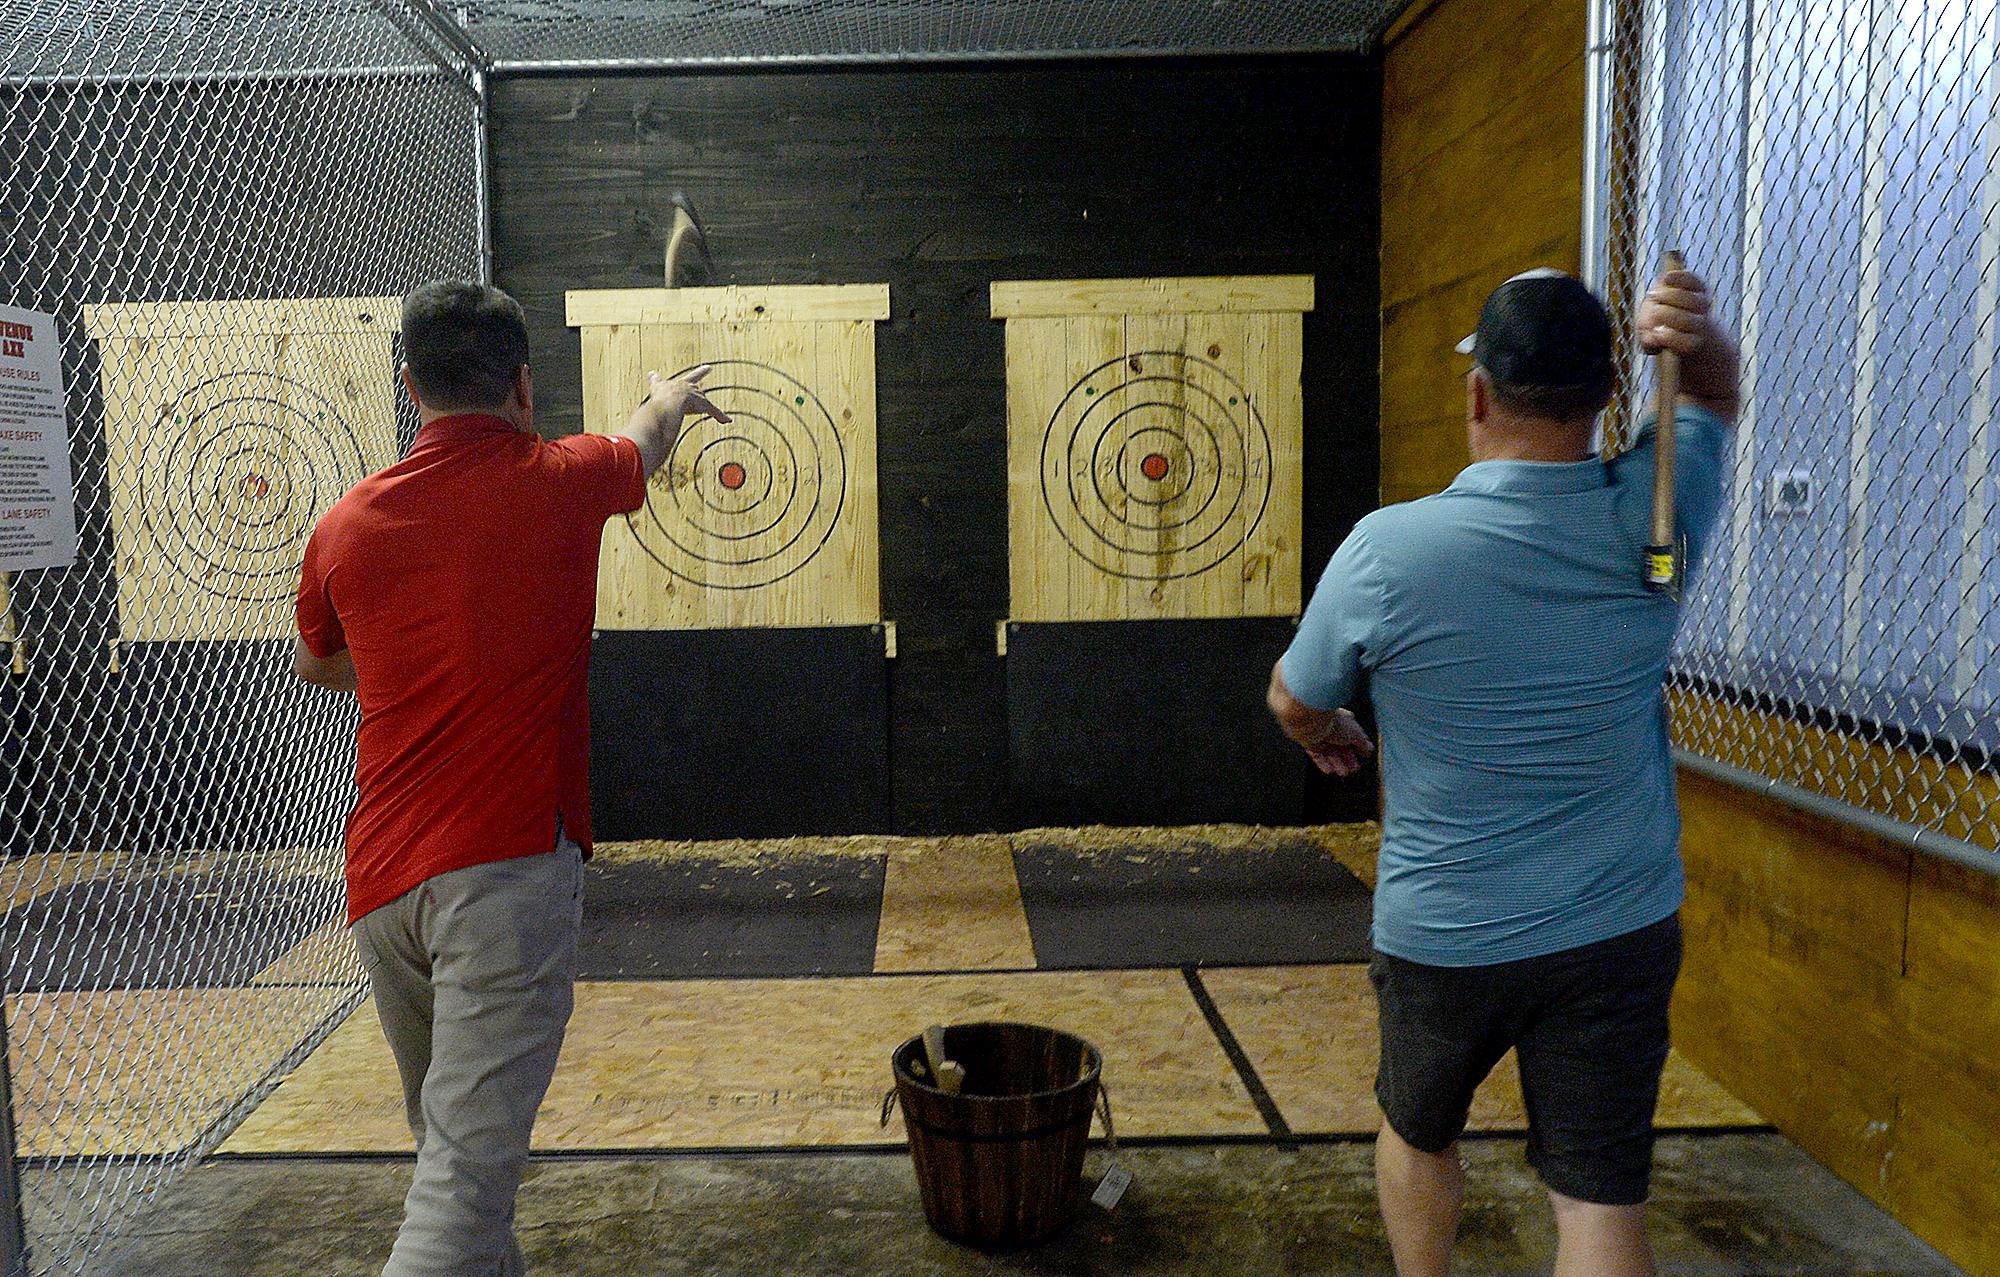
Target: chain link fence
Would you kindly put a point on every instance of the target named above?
(219, 201)
(522, 35)
(171, 797)
(1834, 171)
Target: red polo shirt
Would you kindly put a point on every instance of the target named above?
(464, 581)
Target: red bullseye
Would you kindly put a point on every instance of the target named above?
(1154, 467)
(732, 475)
(256, 486)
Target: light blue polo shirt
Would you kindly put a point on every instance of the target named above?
(1515, 658)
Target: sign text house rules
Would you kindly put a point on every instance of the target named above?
(37, 504)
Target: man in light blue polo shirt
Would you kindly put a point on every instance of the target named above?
(1530, 876)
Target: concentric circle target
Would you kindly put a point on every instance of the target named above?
(1156, 465)
(741, 505)
(236, 473)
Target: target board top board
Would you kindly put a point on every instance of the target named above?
(767, 521)
(1154, 438)
(230, 427)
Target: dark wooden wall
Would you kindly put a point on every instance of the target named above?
(938, 182)
(1471, 89)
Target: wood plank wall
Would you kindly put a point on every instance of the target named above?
(1850, 992)
(1845, 988)
(937, 183)
(1482, 177)
(1221, 351)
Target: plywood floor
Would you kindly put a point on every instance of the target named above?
(798, 1061)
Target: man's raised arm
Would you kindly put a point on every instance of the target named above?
(656, 422)
(1677, 314)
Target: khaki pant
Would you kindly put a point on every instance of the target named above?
(473, 974)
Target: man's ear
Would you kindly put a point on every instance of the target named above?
(524, 389)
(410, 384)
(1478, 397)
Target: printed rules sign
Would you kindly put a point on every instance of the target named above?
(37, 500)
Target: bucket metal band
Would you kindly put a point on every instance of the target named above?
(1012, 1137)
(1102, 1108)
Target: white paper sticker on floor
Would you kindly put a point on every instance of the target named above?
(1112, 1187)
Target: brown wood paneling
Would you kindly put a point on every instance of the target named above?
(1506, 196)
(1466, 61)
(1850, 991)
(1783, 926)
(1414, 11)
(1482, 166)
(1946, 1181)
(1419, 363)
(1953, 959)
(1430, 454)
(1749, 873)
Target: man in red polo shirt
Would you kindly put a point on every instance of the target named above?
(455, 593)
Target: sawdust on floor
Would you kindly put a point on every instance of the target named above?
(1345, 842)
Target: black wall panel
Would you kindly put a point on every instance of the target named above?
(1156, 723)
(739, 733)
(938, 182)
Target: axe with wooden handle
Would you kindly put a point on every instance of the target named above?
(1666, 555)
(949, 1074)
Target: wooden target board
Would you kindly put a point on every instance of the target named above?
(770, 520)
(1154, 437)
(230, 427)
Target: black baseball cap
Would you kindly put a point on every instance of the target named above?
(1543, 330)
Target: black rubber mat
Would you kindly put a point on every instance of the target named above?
(168, 931)
(672, 919)
(1191, 905)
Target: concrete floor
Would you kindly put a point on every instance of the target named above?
(1725, 1204)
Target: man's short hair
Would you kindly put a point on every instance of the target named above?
(463, 342)
(1545, 343)
(1552, 403)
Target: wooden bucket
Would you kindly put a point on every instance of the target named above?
(1000, 1164)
